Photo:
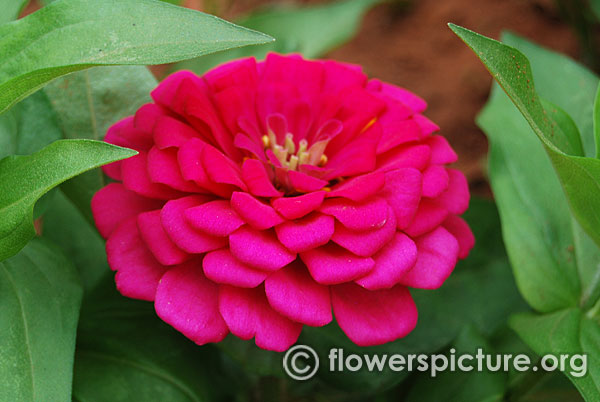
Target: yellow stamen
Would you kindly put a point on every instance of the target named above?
(323, 160)
(369, 124)
(289, 143)
(265, 141)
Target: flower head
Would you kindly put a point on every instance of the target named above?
(267, 195)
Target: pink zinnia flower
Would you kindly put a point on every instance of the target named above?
(265, 195)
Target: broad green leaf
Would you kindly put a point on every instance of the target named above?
(40, 296)
(86, 104)
(579, 176)
(570, 332)
(66, 226)
(28, 126)
(574, 92)
(106, 32)
(126, 353)
(11, 9)
(597, 122)
(535, 216)
(24, 179)
(310, 30)
(457, 386)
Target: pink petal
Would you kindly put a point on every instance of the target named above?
(426, 126)
(163, 249)
(373, 317)
(163, 168)
(123, 133)
(461, 230)
(366, 243)
(456, 197)
(436, 258)
(170, 132)
(216, 218)
(248, 314)
(402, 192)
(220, 168)
(190, 163)
(305, 183)
(397, 129)
(165, 93)
(189, 302)
(260, 249)
(113, 204)
(258, 214)
(407, 156)
(368, 215)
(147, 116)
(331, 264)
(297, 207)
(391, 263)
(256, 178)
(240, 72)
(399, 94)
(222, 267)
(138, 272)
(435, 181)
(429, 216)
(293, 293)
(359, 188)
(181, 232)
(304, 234)
(355, 158)
(441, 152)
(134, 171)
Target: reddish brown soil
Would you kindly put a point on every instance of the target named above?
(407, 42)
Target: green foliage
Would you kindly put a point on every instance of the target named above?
(310, 30)
(11, 9)
(24, 179)
(556, 262)
(579, 176)
(40, 297)
(105, 32)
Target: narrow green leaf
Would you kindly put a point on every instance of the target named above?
(310, 30)
(11, 9)
(565, 332)
(597, 121)
(24, 179)
(574, 92)
(579, 176)
(106, 32)
(40, 296)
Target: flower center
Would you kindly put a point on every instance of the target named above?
(292, 158)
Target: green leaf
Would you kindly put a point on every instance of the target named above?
(86, 104)
(579, 176)
(11, 9)
(106, 32)
(570, 332)
(536, 222)
(40, 296)
(574, 92)
(28, 126)
(24, 179)
(126, 353)
(597, 122)
(310, 30)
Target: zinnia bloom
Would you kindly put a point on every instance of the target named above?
(276, 194)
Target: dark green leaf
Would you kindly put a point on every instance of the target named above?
(28, 126)
(597, 122)
(310, 30)
(106, 32)
(40, 296)
(565, 332)
(24, 179)
(457, 386)
(579, 176)
(126, 353)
